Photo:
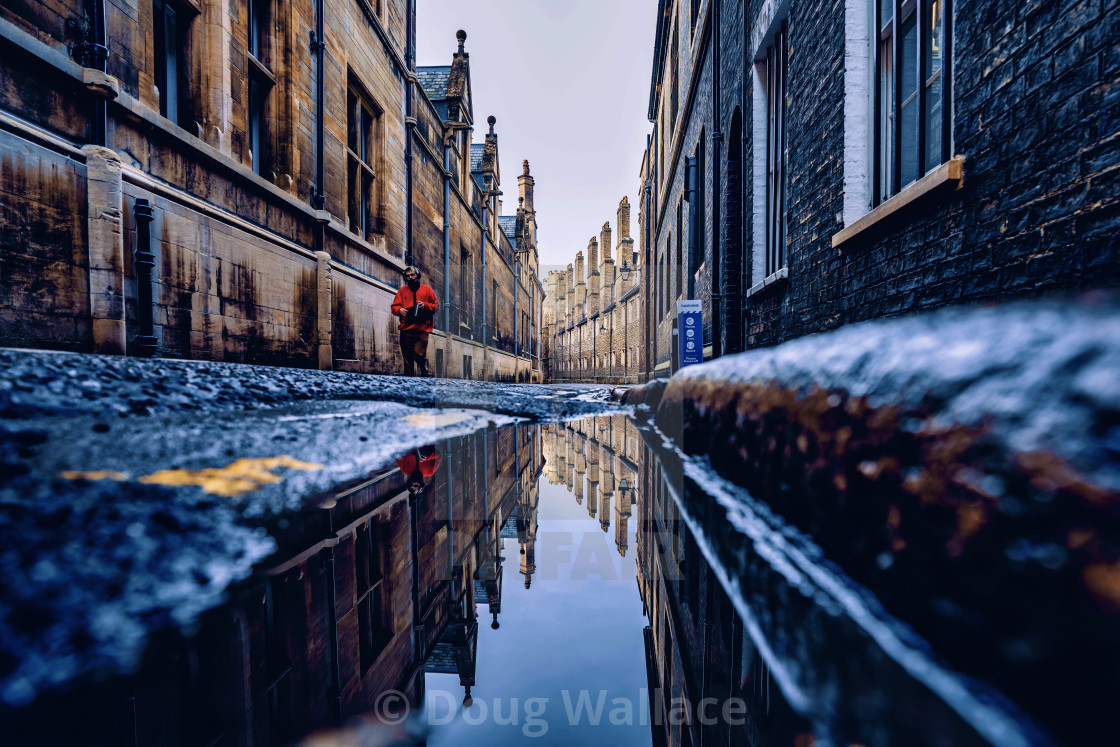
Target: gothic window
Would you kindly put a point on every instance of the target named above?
(261, 81)
(362, 149)
(465, 293)
(375, 623)
(169, 25)
(776, 68)
(912, 113)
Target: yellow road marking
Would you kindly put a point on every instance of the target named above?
(243, 476)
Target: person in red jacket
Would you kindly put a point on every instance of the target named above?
(416, 306)
(418, 465)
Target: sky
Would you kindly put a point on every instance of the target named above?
(568, 81)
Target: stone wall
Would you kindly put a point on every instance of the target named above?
(237, 277)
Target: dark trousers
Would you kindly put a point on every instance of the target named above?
(414, 348)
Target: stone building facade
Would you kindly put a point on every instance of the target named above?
(593, 316)
(818, 163)
(246, 181)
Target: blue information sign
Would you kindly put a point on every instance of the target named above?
(690, 332)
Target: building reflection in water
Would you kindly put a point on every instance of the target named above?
(382, 583)
(377, 585)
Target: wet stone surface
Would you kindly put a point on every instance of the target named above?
(134, 493)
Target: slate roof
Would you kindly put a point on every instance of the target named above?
(477, 151)
(509, 227)
(434, 81)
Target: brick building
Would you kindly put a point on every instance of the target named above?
(245, 181)
(593, 319)
(818, 163)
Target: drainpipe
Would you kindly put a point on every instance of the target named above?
(718, 282)
(144, 262)
(318, 48)
(485, 284)
(647, 270)
(332, 623)
(447, 245)
(414, 555)
(516, 336)
(690, 198)
(410, 126)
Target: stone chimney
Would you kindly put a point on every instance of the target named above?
(606, 240)
(525, 187)
(626, 246)
(593, 278)
(581, 289)
(570, 308)
(624, 220)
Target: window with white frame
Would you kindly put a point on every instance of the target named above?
(770, 103)
(776, 67)
(912, 106)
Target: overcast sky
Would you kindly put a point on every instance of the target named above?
(568, 81)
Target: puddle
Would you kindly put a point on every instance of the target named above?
(559, 584)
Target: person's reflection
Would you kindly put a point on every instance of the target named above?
(419, 465)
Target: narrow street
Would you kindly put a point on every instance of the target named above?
(706, 373)
(230, 552)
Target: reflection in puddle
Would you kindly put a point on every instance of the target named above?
(391, 599)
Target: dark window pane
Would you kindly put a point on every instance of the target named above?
(934, 65)
(352, 121)
(367, 204)
(255, 125)
(886, 12)
(254, 28)
(355, 202)
(886, 116)
(908, 124)
(169, 102)
(366, 134)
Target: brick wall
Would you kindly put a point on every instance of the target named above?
(1034, 94)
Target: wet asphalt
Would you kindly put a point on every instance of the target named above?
(134, 493)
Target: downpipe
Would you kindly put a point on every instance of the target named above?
(485, 288)
(690, 198)
(718, 281)
(410, 127)
(335, 691)
(447, 246)
(144, 262)
(318, 48)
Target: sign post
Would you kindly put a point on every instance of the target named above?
(690, 338)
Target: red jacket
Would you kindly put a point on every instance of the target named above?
(425, 464)
(406, 300)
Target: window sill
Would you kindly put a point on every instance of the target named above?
(950, 172)
(781, 276)
(260, 70)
